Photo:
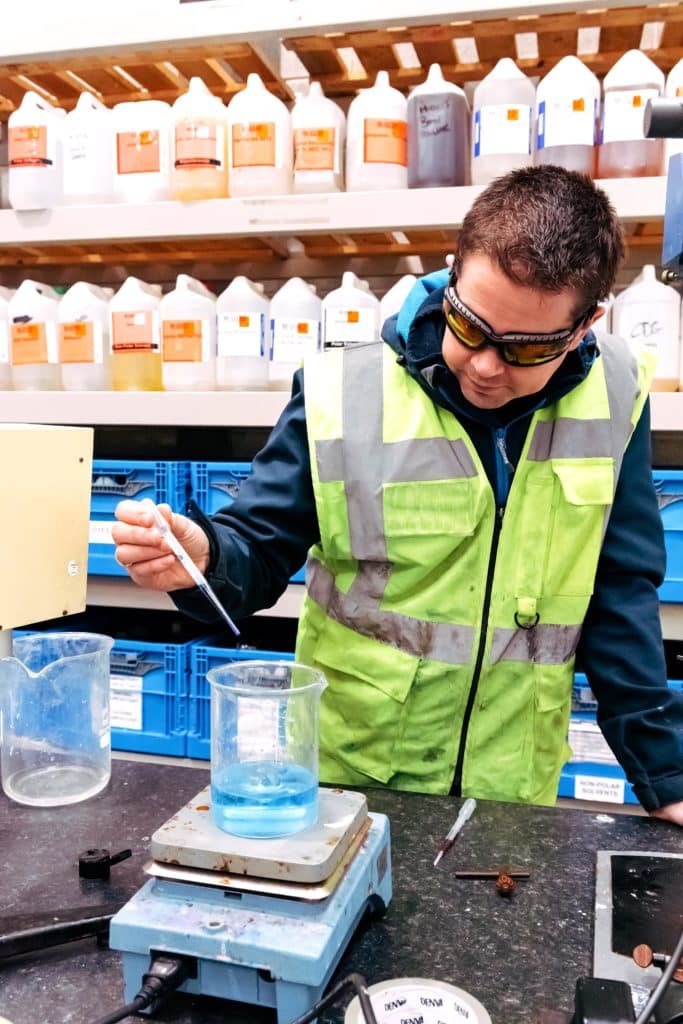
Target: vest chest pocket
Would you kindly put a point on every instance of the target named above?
(430, 508)
(362, 709)
(582, 497)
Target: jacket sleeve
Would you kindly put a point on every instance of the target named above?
(263, 537)
(621, 646)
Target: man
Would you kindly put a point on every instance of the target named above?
(477, 497)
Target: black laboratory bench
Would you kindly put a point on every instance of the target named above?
(520, 955)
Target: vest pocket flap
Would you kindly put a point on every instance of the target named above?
(586, 481)
(343, 653)
(429, 507)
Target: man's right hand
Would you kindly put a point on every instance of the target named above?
(144, 553)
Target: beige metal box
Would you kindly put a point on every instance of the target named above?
(44, 519)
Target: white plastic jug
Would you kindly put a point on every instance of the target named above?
(32, 312)
(376, 138)
(624, 151)
(242, 319)
(199, 160)
(5, 368)
(88, 171)
(142, 145)
(259, 142)
(35, 154)
(295, 319)
(319, 130)
(648, 313)
(136, 337)
(393, 299)
(84, 338)
(673, 90)
(567, 107)
(350, 314)
(438, 133)
(188, 336)
(503, 107)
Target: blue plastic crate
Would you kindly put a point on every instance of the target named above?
(202, 658)
(112, 482)
(669, 487)
(215, 485)
(583, 700)
(598, 782)
(149, 696)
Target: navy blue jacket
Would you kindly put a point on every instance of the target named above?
(260, 540)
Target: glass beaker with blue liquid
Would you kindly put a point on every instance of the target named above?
(264, 747)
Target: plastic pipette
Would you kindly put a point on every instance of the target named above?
(464, 815)
(187, 563)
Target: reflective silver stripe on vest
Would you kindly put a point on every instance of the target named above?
(543, 645)
(436, 641)
(365, 462)
(566, 438)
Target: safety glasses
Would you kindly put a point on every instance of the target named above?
(516, 349)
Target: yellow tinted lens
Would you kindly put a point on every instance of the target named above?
(464, 331)
(523, 354)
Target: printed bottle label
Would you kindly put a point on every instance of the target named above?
(622, 119)
(253, 145)
(80, 342)
(30, 146)
(502, 129)
(566, 122)
(198, 144)
(314, 149)
(34, 343)
(135, 331)
(241, 335)
(185, 341)
(138, 152)
(4, 343)
(293, 339)
(385, 142)
(349, 327)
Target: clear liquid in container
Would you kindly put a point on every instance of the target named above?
(264, 799)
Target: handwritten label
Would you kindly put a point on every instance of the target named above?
(125, 702)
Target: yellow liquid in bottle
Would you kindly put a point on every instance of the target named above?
(136, 371)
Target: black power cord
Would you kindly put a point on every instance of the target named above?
(166, 973)
(358, 984)
(663, 983)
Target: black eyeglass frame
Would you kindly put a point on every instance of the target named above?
(508, 345)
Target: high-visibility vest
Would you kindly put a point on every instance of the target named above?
(426, 606)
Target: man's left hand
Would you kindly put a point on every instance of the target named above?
(672, 812)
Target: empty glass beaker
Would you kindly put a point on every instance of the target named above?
(264, 747)
(54, 718)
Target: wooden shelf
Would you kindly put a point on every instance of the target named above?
(203, 408)
(344, 224)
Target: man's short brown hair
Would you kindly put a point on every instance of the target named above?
(549, 229)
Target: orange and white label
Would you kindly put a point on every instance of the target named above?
(314, 149)
(33, 343)
(198, 144)
(138, 152)
(80, 342)
(253, 145)
(350, 327)
(384, 142)
(623, 114)
(135, 332)
(28, 146)
(291, 339)
(184, 341)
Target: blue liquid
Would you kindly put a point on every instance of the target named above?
(264, 799)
